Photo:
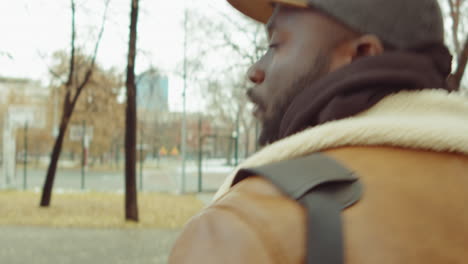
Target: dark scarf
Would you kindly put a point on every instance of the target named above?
(360, 85)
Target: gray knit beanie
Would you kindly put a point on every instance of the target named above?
(401, 24)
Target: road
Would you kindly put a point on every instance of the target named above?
(33, 245)
(164, 179)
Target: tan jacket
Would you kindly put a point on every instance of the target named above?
(414, 210)
(415, 203)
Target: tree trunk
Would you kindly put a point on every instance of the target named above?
(461, 68)
(131, 203)
(69, 103)
(66, 114)
(54, 158)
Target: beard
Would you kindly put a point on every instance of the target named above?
(271, 125)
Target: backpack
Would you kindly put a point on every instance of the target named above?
(325, 188)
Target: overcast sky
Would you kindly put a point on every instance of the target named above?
(32, 30)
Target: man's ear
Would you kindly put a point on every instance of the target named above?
(367, 45)
(350, 50)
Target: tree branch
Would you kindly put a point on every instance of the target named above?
(51, 71)
(237, 48)
(457, 77)
(72, 52)
(89, 71)
(455, 14)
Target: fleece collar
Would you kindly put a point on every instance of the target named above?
(433, 120)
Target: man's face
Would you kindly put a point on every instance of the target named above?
(299, 53)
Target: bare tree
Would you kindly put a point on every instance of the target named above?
(98, 103)
(241, 43)
(458, 9)
(131, 202)
(457, 77)
(74, 87)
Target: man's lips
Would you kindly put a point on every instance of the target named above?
(259, 108)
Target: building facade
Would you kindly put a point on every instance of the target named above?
(153, 91)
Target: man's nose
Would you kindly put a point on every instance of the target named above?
(256, 75)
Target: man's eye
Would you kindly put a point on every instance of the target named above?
(273, 45)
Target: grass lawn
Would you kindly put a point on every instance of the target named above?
(96, 210)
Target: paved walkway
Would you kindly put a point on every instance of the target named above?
(31, 245)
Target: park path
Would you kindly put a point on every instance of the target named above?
(37, 245)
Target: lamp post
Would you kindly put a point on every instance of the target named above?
(200, 153)
(141, 160)
(184, 115)
(25, 172)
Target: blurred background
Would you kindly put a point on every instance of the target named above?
(64, 80)
(203, 47)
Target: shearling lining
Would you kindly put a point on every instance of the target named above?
(428, 120)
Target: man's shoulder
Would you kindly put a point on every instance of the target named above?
(248, 224)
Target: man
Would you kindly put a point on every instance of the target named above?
(356, 114)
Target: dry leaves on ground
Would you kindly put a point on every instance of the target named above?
(96, 210)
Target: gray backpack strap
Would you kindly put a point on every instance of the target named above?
(325, 188)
